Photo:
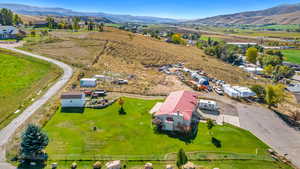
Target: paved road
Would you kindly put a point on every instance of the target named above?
(7, 132)
(268, 127)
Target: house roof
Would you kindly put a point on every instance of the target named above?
(71, 95)
(182, 102)
(8, 30)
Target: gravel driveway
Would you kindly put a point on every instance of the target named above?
(7, 132)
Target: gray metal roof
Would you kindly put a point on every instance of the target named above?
(8, 30)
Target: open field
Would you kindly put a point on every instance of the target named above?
(22, 78)
(131, 137)
(123, 54)
(292, 56)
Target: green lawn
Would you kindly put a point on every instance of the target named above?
(21, 77)
(228, 164)
(131, 134)
(292, 55)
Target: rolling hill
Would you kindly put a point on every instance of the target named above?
(283, 14)
(44, 11)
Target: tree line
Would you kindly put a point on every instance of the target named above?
(8, 18)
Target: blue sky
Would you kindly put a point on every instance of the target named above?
(180, 9)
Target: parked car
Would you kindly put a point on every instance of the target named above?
(120, 82)
(219, 91)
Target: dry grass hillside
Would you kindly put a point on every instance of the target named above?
(122, 54)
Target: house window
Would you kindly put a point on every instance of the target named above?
(170, 119)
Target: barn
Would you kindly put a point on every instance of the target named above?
(175, 114)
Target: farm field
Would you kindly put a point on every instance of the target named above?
(122, 54)
(122, 134)
(21, 78)
(292, 56)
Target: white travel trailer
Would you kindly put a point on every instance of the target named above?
(208, 105)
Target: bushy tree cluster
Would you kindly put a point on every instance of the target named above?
(7, 17)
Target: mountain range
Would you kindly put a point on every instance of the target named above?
(43, 11)
(283, 14)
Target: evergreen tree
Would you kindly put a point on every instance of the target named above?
(181, 158)
(33, 142)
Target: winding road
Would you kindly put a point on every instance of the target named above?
(7, 132)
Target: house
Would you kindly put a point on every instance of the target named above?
(88, 82)
(72, 99)
(208, 105)
(175, 114)
(8, 32)
(113, 164)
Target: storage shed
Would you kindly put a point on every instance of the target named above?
(72, 99)
(88, 82)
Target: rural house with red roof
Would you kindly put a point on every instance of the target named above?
(175, 114)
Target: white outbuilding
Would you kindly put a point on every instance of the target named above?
(244, 92)
(88, 82)
(238, 91)
(208, 105)
(72, 99)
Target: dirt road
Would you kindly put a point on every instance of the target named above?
(7, 132)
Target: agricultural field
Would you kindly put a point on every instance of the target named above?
(292, 56)
(22, 78)
(123, 54)
(131, 136)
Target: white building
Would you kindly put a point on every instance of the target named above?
(238, 91)
(8, 32)
(74, 99)
(254, 70)
(208, 105)
(175, 114)
(88, 82)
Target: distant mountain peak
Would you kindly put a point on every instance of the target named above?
(282, 14)
(34, 10)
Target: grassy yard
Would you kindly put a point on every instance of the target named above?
(292, 55)
(72, 139)
(21, 78)
(227, 164)
(131, 134)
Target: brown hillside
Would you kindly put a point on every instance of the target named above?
(122, 53)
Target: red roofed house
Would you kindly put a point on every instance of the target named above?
(175, 114)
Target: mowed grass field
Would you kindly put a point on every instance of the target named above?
(223, 164)
(132, 134)
(21, 78)
(292, 56)
(72, 138)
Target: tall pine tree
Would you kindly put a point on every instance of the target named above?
(33, 142)
(181, 158)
